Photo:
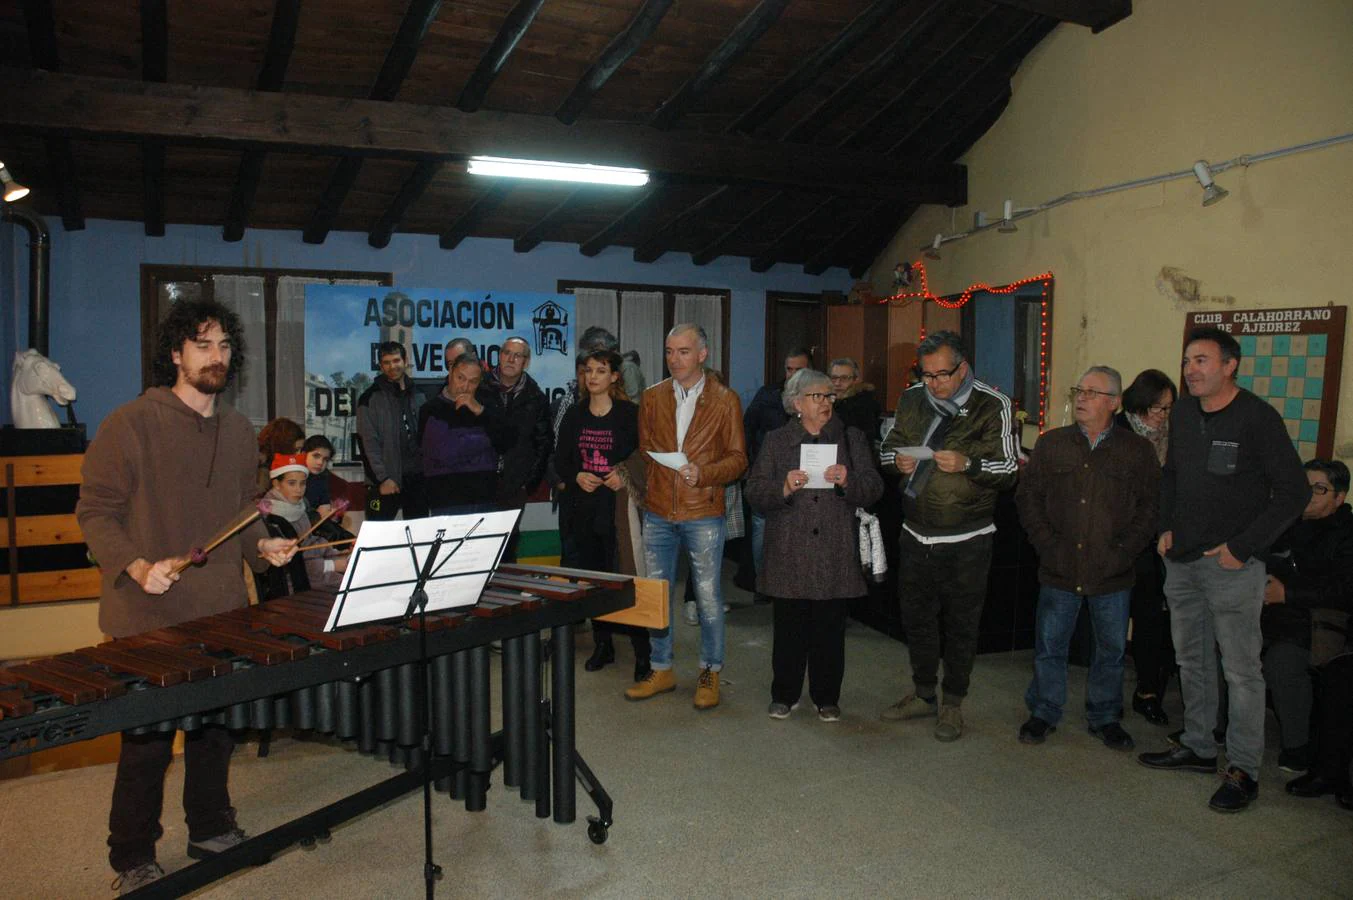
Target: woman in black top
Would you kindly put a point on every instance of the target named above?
(1146, 411)
(595, 437)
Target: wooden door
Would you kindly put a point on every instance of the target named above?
(793, 320)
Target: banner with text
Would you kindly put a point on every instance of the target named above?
(345, 324)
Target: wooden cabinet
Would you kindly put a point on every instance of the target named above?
(860, 332)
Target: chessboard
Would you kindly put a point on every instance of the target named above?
(1292, 359)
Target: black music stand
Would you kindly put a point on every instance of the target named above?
(372, 594)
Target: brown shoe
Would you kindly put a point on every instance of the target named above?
(657, 681)
(707, 690)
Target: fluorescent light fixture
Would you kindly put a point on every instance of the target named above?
(13, 190)
(546, 170)
(1212, 192)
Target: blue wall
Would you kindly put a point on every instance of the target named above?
(995, 341)
(96, 278)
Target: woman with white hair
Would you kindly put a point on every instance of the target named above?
(812, 558)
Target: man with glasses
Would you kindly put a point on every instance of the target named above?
(1232, 484)
(525, 408)
(856, 403)
(1087, 500)
(953, 441)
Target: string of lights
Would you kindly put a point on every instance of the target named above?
(903, 298)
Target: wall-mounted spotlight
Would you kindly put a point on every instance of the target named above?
(13, 190)
(1212, 192)
(932, 250)
(1008, 213)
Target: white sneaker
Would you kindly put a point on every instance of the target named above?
(139, 877)
(689, 614)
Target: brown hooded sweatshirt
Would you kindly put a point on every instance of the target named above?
(160, 479)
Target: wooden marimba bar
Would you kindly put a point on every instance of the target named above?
(273, 666)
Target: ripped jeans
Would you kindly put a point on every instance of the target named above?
(703, 539)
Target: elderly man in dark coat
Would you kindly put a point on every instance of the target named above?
(812, 549)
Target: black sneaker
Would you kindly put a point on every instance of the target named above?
(1237, 792)
(1180, 759)
(1035, 731)
(1113, 736)
(1312, 785)
(1296, 759)
(1150, 709)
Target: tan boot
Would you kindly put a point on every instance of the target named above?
(657, 681)
(707, 690)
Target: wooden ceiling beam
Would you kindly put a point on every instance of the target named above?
(772, 254)
(529, 239)
(398, 60)
(500, 51)
(1093, 14)
(871, 75)
(747, 33)
(874, 219)
(40, 23)
(651, 247)
(974, 127)
(154, 67)
(409, 191)
(286, 16)
(868, 132)
(638, 209)
(999, 65)
(88, 107)
(816, 65)
(872, 243)
(466, 222)
(621, 48)
(719, 246)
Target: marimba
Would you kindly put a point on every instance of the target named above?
(273, 666)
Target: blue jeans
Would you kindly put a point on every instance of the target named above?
(1057, 612)
(704, 540)
(1213, 609)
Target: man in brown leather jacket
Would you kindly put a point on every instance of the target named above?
(692, 413)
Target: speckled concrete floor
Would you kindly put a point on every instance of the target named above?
(729, 803)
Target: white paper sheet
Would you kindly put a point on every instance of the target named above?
(670, 460)
(382, 572)
(916, 452)
(814, 459)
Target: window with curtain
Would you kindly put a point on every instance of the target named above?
(640, 315)
(271, 307)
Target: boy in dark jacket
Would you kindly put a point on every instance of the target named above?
(1306, 604)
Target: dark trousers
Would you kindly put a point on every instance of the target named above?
(412, 500)
(1152, 646)
(1334, 733)
(942, 588)
(588, 549)
(811, 635)
(138, 792)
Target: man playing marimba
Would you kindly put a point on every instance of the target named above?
(163, 468)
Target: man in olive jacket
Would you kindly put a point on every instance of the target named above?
(953, 440)
(1087, 500)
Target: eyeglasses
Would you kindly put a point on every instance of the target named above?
(817, 395)
(1163, 410)
(512, 354)
(941, 375)
(1090, 393)
(1321, 489)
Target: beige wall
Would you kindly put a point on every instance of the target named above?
(1177, 81)
(45, 629)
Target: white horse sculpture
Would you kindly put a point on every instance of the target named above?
(34, 379)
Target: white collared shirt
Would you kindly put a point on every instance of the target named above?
(685, 407)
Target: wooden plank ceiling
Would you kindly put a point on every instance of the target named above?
(796, 131)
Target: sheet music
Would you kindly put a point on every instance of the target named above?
(382, 572)
(815, 460)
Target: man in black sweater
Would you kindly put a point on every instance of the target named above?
(1232, 484)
